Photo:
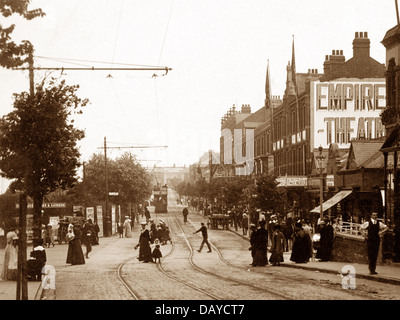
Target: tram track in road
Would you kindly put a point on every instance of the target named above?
(332, 287)
(216, 277)
(137, 296)
(125, 283)
(235, 282)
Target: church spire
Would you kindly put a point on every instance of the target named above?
(294, 77)
(267, 89)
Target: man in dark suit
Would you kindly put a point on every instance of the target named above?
(372, 230)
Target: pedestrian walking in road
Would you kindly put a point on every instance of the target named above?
(204, 233)
(260, 245)
(87, 232)
(75, 253)
(147, 214)
(326, 232)
(277, 247)
(373, 230)
(144, 244)
(120, 229)
(301, 245)
(127, 227)
(96, 230)
(185, 213)
(245, 223)
(10, 262)
(49, 236)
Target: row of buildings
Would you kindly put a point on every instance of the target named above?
(318, 128)
(329, 139)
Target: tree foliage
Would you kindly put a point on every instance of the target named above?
(11, 54)
(38, 140)
(269, 197)
(125, 176)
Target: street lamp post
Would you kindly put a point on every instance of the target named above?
(320, 170)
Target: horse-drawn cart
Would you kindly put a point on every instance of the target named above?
(222, 220)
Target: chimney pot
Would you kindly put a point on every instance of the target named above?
(356, 36)
(365, 34)
(333, 52)
(341, 52)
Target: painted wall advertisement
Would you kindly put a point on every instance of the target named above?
(90, 213)
(113, 221)
(345, 109)
(99, 211)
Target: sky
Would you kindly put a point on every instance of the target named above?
(218, 51)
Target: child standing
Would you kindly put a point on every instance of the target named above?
(156, 254)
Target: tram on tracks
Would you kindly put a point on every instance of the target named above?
(160, 199)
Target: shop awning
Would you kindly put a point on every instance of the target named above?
(332, 201)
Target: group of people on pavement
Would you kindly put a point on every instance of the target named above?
(303, 246)
(279, 237)
(150, 240)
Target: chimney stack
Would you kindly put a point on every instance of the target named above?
(361, 45)
(333, 61)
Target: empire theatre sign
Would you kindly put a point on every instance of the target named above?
(347, 109)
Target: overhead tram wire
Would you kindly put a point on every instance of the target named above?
(133, 67)
(95, 61)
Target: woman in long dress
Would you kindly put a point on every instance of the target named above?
(144, 244)
(127, 227)
(10, 263)
(301, 245)
(260, 244)
(75, 253)
(277, 246)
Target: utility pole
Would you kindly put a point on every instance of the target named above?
(107, 222)
(22, 282)
(107, 217)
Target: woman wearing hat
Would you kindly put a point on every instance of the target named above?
(301, 245)
(144, 244)
(75, 253)
(278, 244)
(10, 262)
(326, 231)
(127, 227)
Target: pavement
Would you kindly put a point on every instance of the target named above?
(387, 273)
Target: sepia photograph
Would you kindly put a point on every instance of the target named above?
(173, 153)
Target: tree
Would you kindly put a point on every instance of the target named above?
(11, 54)
(125, 176)
(38, 141)
(269, 198)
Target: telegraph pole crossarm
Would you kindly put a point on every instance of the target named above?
(107, 225)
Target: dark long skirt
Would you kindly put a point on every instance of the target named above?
(145, 250)
(276, 257)
(301, 249)
(260, 257)
(75, 253)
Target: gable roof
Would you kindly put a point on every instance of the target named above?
(365, 154)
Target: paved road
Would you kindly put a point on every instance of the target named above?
(224, 271)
